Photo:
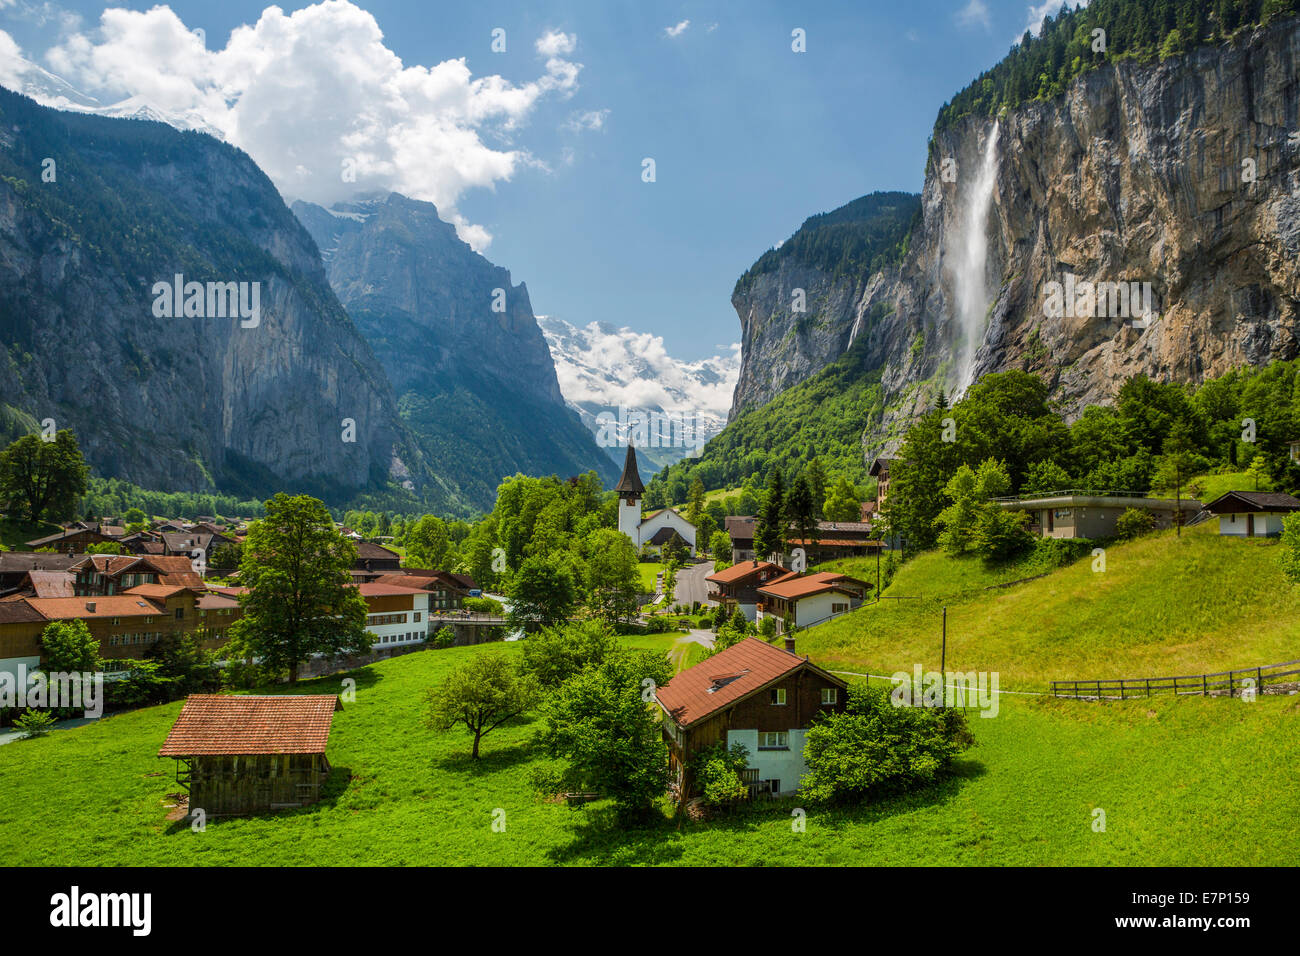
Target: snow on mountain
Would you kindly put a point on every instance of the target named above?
(616, 377)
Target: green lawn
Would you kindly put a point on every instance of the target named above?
(1165, 605)
(1188, 781)
(648, 570)
(14, 534)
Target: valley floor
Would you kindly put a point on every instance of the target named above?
(1187, 781)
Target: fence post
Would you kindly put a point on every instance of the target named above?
(1205, 685)
(1230, 687)
(1149, 688)
(1259, 680)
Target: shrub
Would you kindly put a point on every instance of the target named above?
(482, 605)
(34, 723)
(657, 624)
(1134, 523)
(1001, 535)
(555, 654)
(875, 747)
(717, 772)
(444, 638)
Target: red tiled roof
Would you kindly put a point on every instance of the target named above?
(51, 584)
(114, 605)
(792, 587)
(160, 591)
(238, 724)
(376, 589)
(738, 572)
(724, 679)
(836, 542)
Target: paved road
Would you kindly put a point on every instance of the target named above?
(677, 654)
(691, 585)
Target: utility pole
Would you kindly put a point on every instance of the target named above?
(879, 547)
(943, 661)
(1178, 499)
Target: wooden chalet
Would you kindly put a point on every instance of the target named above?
(737, 586)
(240, 754)
(755, 694)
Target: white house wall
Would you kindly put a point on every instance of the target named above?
(667, 519)
(786, 766)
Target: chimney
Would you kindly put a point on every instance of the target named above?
(789, 643)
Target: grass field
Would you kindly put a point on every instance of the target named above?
(1180, 781)
(15, 534)
(648, 570)
(1164, 605)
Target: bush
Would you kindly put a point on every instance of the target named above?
(658, 624)
(555, 654)
(1134, 523)
(1001, 535)
(875, 747)
(482, 605)
(444, 638)
(34, 723)
(717, 772)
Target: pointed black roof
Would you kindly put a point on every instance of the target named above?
(629, 485)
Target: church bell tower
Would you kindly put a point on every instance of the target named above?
(630, 490)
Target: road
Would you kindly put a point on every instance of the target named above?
(691, 585)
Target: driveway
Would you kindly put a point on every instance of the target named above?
(692, 587)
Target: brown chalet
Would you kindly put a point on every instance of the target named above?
(249, 754)
(755, 694)
(737, 586)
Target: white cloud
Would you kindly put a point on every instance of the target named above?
(975, 12)
(1038, 12)
(585, 120)
(306, 92)
(556, 43)
(677, 30)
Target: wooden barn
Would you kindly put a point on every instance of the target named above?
(240, 754)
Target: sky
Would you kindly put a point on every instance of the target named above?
(537, 151)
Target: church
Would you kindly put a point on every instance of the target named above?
(656, 530)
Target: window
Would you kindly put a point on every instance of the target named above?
(778, 696)
(774, 740)
(830, 695)
(417, 618)
(180, 613)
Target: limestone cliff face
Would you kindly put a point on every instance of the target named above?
(1178, 174)
(182, 403)
(474, 377)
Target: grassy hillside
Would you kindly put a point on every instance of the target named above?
(1181, 782)
(1164, 605)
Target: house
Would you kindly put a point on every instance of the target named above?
(70, 539)
(1252, 514)
(376, 558)
(1069, 515)
(737, 586)
(105, 574)
(755, 694)
(836, 540)
(659, 527)
(808, 599)
(249, 754)
(880, 471)
(446, 591)
(740, 528)
(14, 565)
(395, 614)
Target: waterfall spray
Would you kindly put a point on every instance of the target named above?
(970, 294)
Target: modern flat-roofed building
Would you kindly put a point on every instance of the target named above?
(1071, 514)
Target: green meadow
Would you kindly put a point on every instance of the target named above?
(1187, 781)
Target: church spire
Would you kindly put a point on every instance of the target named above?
(629, 485)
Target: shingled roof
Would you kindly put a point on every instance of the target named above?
(629, 484)
(236, 724)
(727, 677)
(1239, 502)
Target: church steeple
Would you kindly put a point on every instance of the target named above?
(629, 485)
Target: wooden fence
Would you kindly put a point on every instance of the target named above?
(1280, 677)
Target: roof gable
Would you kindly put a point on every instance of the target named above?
(237, 724)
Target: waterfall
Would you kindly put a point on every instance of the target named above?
(970, 295)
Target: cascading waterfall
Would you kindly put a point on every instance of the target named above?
(970, 294)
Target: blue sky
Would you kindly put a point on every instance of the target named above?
(748, 137)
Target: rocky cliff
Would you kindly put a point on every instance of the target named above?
(1173, 180)
(96, 215)
(459, 341)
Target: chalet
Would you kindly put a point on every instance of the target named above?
(376, 558)
(1077, 515)
(14, 565)
(70, 539)
(837, 540)
(880, 471)
(446, 591)
(737, 586)
(395, 614)
(238, 754)
(809, 599)
(1252, 514)
(105, 574)
(740, 528)
(755, 694)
